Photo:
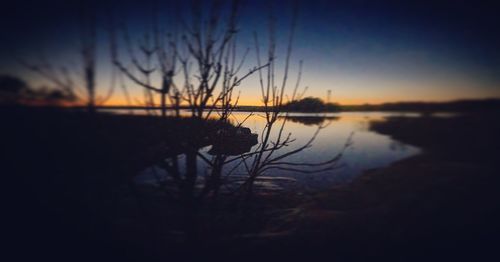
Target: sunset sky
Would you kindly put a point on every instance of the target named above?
(363, 51)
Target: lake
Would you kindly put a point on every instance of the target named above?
(367, 150)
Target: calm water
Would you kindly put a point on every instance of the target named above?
(368, 149)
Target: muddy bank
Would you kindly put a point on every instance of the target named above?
(442, 203)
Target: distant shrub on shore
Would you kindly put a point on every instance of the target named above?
(310, 104)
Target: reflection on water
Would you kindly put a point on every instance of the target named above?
(368, 150)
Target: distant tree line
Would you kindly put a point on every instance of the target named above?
(484, 105)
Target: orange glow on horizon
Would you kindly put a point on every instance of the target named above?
(343, 101)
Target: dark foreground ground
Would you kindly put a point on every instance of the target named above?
(65, 197)
(440, 205)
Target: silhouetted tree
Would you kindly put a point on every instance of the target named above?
(157, 55)
(211, 46)
(268, 155)
(13, 90)
(65, 82)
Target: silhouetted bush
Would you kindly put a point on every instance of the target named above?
(310, 104)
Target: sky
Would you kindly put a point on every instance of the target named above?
(363, 51)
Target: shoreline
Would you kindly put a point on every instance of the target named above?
(454, 106)
(438, 201)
